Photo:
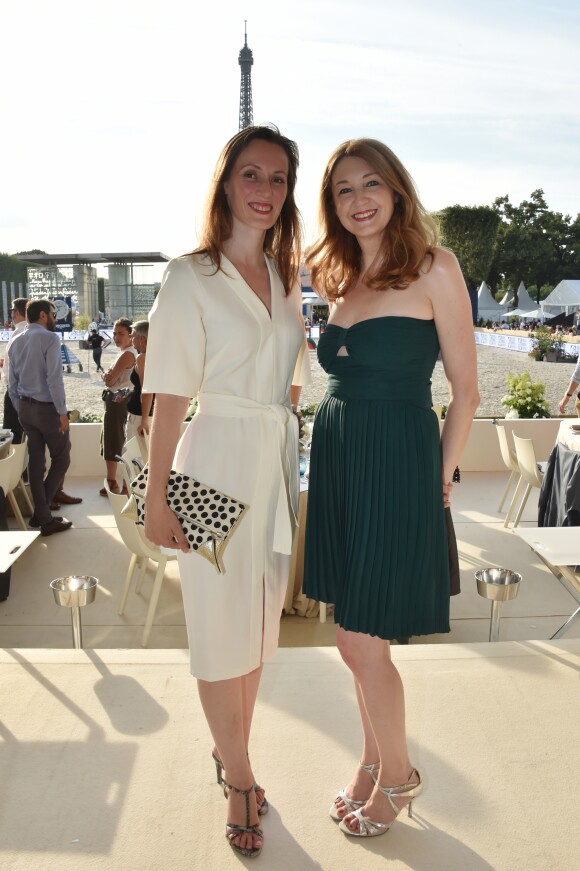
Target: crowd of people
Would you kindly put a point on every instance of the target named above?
(528, 326)
(35, 403)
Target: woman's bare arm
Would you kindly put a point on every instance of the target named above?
(125, 361)
(453, 319)
(161, 525)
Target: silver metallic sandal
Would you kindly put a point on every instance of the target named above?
(368, 828)
(352, 804)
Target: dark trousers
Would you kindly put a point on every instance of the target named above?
(11, 420)
(41, 421)
(97, 354)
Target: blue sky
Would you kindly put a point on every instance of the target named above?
(117, 111)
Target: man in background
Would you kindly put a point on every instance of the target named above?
(36, 388)
(11, 421)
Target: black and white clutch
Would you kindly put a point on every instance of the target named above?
(208, 517)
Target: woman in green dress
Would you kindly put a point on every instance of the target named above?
(380, 476)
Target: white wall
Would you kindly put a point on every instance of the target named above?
(481, 453)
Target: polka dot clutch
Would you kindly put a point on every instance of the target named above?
(208, 518)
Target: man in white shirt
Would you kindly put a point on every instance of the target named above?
(11, 421)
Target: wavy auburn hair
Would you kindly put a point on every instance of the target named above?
(334, 260)
(282, 241)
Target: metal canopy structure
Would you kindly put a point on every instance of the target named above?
(91, 259)
(129, 291)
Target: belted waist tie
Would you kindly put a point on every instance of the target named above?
(280, 457)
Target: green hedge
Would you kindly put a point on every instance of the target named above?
(12, 269)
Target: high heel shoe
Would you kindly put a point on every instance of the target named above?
(352, 804)
(263, 806)
(368, 828)
(233, 830)
(219, 767)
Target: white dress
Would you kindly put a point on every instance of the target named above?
(210, 336)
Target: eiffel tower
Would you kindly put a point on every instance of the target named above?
(245, 60)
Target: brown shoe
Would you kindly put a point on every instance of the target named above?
(54, 506)
(113, 487)
(55, 526)
(64, 499)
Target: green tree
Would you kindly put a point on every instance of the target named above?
(12, 269)
(534, 245)
(470, 232)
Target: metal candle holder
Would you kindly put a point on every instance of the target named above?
(74, 592)
(499, 585)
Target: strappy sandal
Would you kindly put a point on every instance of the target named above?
(352, 804)
(233, 830)
(113, 487)
(368, 828)
(263, 806)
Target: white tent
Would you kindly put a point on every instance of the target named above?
(525, 301)
(508, 299)
(564, 299)
(487, 306)
(537, 314)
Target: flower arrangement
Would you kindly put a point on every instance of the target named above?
(536, 354)
(545, 342)
(525, 398)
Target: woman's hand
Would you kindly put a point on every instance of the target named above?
(162, 526)
(563, 403)
(447, 488)
(143, 428)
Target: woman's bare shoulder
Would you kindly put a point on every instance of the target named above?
(443, 261)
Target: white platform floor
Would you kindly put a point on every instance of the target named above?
(105, 760)
(105, 755)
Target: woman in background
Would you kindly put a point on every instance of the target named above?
(571, 389)
(376, 541)
(117, 378)
(227, 328)
(139, 404)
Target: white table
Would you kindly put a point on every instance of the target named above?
(12, 545)
(559, 549)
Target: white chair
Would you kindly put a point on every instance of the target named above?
(510, 461)
(142, 551)
(531, 472)
(20, 464)
(8, 477)
(133, 449)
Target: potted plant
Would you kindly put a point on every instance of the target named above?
(546, 343)
(525, 398)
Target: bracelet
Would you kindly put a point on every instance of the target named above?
(569, 395)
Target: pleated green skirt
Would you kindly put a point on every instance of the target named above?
(376, 543)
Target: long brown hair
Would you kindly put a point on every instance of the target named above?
(282, 241)
(335, 258)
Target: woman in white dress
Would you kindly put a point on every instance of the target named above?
(227, 327)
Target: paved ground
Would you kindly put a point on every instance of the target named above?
(84, 388)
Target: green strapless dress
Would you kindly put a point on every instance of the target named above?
(376, 543)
